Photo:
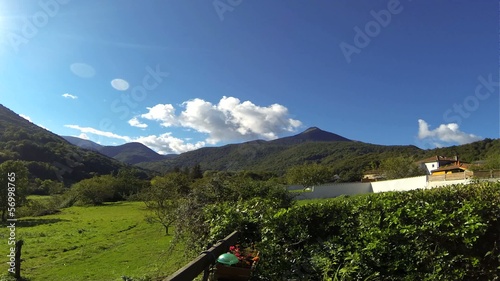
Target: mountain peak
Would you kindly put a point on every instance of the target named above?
(311, 129)
(311, 134)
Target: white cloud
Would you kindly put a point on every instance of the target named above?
(449, 133)
(26, 117)
(119, 84)
(90, 130)
(228, 120)
(69, 96)
(83, 136)
(163, 144)
(134, 122)
(29, 119)
(167, 144)
(164, 113)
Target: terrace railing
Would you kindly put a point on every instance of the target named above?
(204, 261)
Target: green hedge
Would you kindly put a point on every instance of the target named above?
(449, 233)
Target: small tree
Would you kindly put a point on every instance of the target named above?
(492, 162)
(163, 198)
(400, 167)
(309, 175)
(196, 172)
(95, 190)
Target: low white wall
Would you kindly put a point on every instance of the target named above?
(337, 189)
(334, 190)
(400, 184)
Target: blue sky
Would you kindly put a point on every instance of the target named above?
(179, 75)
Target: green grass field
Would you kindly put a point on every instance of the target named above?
(94, 243)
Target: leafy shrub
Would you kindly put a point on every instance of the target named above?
(448, 233)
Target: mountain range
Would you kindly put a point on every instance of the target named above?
(130, 153)
(70, 159)
(135, 153)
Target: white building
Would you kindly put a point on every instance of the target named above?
(435, 162)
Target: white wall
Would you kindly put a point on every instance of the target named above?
(400, 184)
(430, 168)
(338, 189)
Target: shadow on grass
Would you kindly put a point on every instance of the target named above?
(35, 222)
(106, 204)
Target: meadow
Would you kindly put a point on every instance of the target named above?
(94, 243)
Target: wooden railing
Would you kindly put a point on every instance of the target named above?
(487, 174)
(202, 263)
(452, 176)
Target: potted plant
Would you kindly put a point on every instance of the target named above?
(236, 265)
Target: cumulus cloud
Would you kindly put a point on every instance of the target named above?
(90, 130)
(228, 120)
(69, 96)
(164, 113)
(163, 144)
(167, 144)
(134, 122)
(119, 84)
(449, 133)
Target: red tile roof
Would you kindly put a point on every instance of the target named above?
(455, 166)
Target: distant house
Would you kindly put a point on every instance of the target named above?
(446, 168)
(436, 162)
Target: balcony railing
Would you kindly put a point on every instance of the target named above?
(204, 261)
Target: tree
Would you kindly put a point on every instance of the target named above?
(13, 187)
(309, 175)
(163, 198)
(46, 187)
(492, 162)
(95, 190)
(129, 183)
(196, 172)
(400, 167)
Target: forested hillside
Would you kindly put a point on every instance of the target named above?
(47, 155)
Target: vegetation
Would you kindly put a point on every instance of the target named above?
(216, 192)
(202, 195)
(347, 159)
(450, 233)
(164, 196)
(400, 167)
(13, 182)
(46, 155)
(309, 175)
(95, 243)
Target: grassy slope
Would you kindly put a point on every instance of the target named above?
(94, 243)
